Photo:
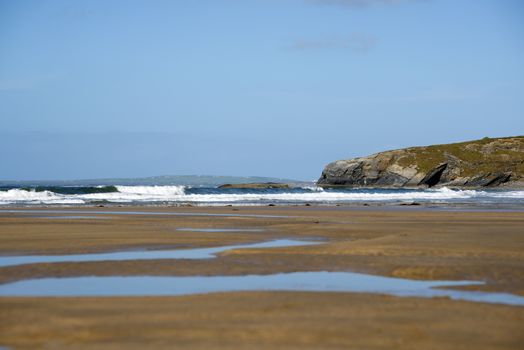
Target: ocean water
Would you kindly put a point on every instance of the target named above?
(212, 195)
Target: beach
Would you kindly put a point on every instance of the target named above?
(314, 174)
(408, 242)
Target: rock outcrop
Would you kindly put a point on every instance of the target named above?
(488, 162)
(262, 185)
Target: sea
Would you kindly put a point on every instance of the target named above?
(212, 195)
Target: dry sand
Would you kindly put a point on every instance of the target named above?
(404, 242)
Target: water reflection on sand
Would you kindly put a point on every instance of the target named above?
(298, 281)
(198, 253)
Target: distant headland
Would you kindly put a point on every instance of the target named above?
(488, 162)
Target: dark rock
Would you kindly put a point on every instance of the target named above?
(433, 177)
(489, 180)
(265, 185)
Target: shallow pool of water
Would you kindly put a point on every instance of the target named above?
(70, 217)
(198, 253)
(220, 229)
(297, 281)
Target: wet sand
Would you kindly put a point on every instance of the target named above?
(258, 321)
(404, 242)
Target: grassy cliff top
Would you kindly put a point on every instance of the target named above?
(486, 155)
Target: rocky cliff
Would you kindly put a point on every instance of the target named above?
(488, 162)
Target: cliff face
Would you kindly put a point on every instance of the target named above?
(482, 163)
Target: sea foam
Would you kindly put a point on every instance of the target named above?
(19, 196)
(182, 194)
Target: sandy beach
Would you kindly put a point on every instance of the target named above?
(303, 175)
(415, 243)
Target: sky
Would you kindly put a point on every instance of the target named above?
(108, 88)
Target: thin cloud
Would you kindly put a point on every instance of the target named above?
(356, 42)
(360, 3)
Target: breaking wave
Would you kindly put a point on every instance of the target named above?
(213, 195)
(18, 196)
(152, 190)
(313, 188)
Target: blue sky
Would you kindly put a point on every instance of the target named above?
(249, 87)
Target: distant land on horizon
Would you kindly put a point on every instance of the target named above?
(164, 180)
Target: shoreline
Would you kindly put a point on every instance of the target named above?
(371, 205)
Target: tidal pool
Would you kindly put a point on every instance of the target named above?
(220, 229)
(296, 281)
(70, 217)
(198, 253)
(312, 281)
